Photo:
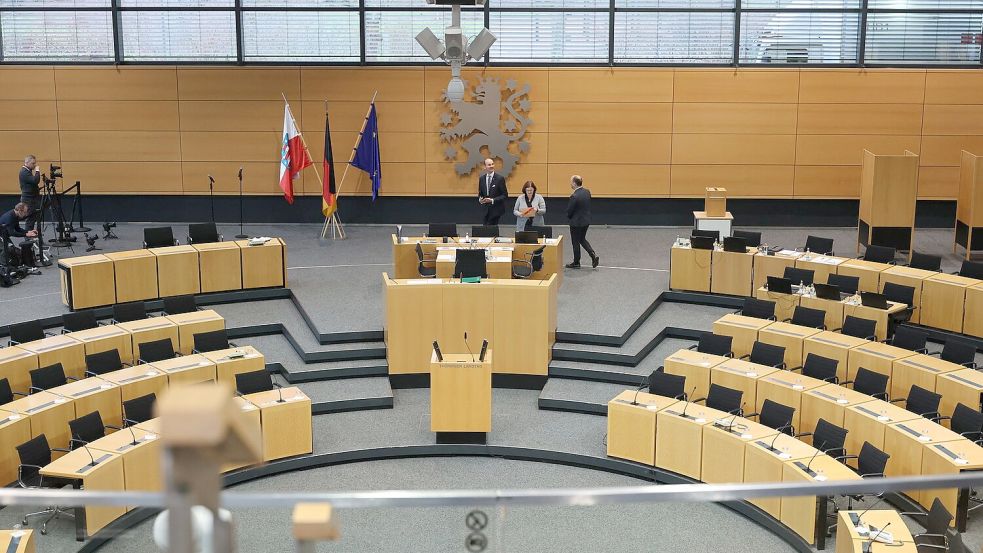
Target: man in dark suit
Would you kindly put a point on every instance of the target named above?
(492, 193)
(30, 192)
(578, 211)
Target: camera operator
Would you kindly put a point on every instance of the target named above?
(10, 228)
(30, 192)
(10, 222)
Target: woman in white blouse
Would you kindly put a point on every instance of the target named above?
(529, 207)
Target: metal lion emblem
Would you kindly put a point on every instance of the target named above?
(493, 124)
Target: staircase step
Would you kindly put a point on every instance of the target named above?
(579, 396)
(352, 394)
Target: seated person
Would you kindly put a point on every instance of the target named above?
(9, 229)
(10, 221)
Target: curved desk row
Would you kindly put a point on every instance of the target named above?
(406, 261)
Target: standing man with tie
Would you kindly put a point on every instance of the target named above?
(30, 192)
(492, 193)
(578, 211)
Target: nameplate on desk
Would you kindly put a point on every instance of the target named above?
(686, 416)
(199, 319)
(785, 383)
(88, 391)
(966, 381)
(824, 395)
(920, 365)
(115, 332)
(54, 346)
(805, 468)
(188, 366)
(877, 353)
(11, 418)
(921, 437)
(827, 341)
(641, 404)
(461, 364)
(951, 454)
(138, 377)
(738, 323)
(42, 406)
(874, 414)
(775, 450)
(89, 466)
(159, 325)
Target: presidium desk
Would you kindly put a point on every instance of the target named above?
(517, 317)
(504, 250)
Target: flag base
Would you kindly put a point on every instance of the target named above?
(334, 223)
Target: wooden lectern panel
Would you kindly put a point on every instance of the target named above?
(888, 192)
(409, 345)
(969, 204)
(460, 393)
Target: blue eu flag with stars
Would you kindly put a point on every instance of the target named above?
(367, 152)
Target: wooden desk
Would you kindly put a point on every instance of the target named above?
(832, 345)
(731, 273)
(141, 461)
(764, 461)
(17, 541)
(15, 429)
(219, 266)
(786, 388)
(951, 458)
(105, 338)
(868, 421)
(695, 366)
(177, 271)
(49, 415)
(107, 475)
(741, 375)
(252, 414)
(460, 395)
(679, 438)
(87, 281)
(149, 330)
(771, 265)
(408, 346)
(263, 266)
(689, 269)
(784, 303)
(880, 316)
(875, 356)
(632, 428)
(790, 337)
(405, 259)
(94, 394)
(187, 369)
(821, 265)
(973, 322)
(498, 262)
(61, 348)
(16, 365)
(807, 515)
(833, 309)
(920, 370)
(943, 301)
(828, 402)
(233, 361)
(743, 330)
(848, 540)
(963, 386)
(137, 381)
(907, 276)
(723, 449)
(869, 273)
(552, 257)
(286, 425)
(907, 441)
(195, 322)
(136, 275)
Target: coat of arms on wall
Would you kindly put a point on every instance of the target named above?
(493, 124)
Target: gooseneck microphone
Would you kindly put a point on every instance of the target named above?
(876, 503)
(468, 346)
(92, 460)
(868, 545)
(730, 423)
(685, 407)
(775, 439)
(645, 382)
(818, 451)
(129, 426)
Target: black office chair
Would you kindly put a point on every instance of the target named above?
(871, 463)
(174, 305)
(971, 269)
(714, 344)
(776, 416)
(426, 265)
(922, 402)
(767, 354)
(751, 238)
(131, 311)
(846, 283)
(859, 328)
(715, 234)
(35, 454)
(664, 384)
(819, 245)
(723, 399)
(212, 341)
(524, 268)
(203, 233)
(156, 350)
(967, 422)
(6, 393)
(807, 316)
(103, 362)
(438, 230)
(22, 333)
(958, 352)
(936, 523)
(899, 293)
(484, 231)
(79, 320)
(797, 275)
(820, 368)
(88, 428)
(759, 309)
(470, 264)
(544, 232)
(866, 381)
(139, 409)
(48, 377)
(828, 438)
(909, 338)
(158, 237)
(879, 254)
(925, 262)
(254, 381)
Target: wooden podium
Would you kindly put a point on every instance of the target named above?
(888, 191)
(460, 398)
(969, 204)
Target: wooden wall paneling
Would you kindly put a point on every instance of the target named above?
(609, 117)
(739, 180)
(258, 177)
(28, 83)
(611, 180)
(443, 180)
(733, 149)
(435, 148)
(938, 182)
(16, 145)
(848, 149)
(118, 115)
(398, 179)
(953, 120)
(832, 181)
(233, 115)
(116, 83)
(358, 84)
(890, 119)
(946, 150)
(951, 86)
(746, 118)
(729, 85)
(436, 78)
(394, 147)
(349, 116)
(609, 148)
(231, 146)
(858, 86)
(120, 146)
(239, 83)
(28, 115)
(605, 85)
(125, 177)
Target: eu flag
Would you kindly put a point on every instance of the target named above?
(367, 152)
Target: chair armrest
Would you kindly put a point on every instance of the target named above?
(195, 351)
(933, 352)
(33, 389)
(62, 449)
(739, 312)
(20, 474)
(751, 415)
(872, 338)
(793, 369)
(71, 378)
(233, 345)
(694, 346)
(873, 475)
(781, 365)
(18, 393)
(12, 342)
(938, 417)
(65, 331)
(803, 434)
(113, 426)
(702, 399)
(969, 364)
(144, 244)
(141, 362)
(74, 441)
(748, 356)
(845, 382)
(837, 329)
(842, 457)
(898, 400)
(786, 320)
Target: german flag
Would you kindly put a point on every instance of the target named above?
(329, 199)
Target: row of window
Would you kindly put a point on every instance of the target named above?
(894, 32)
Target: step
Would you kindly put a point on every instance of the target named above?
(352, 394)
(652, 357)
(579, 396)
(283, 358)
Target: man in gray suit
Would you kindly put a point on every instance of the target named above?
(578, 211)
(492, 194)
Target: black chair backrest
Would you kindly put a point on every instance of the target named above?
(909, 338)
(6, 394)
(48, 377)
(879, 254)
(715, 344)
(938, 519)
(925, 261)
(139, 409)
(820, 245)
(470, 263)
(36, 452)
(807, 316)
(872, 383)
(202, 233)
(922, 402)
(536, 258)
(156, 350)
(132, 311)
(174, 305)
(871, 461)
(751, 238)
(103, 362)
(829, 438)
(715, 234)
(544, 232)
(724, 399)
(899, 293)
(79, 320)
(211, 341)
(767, 354)
(859, 327)
(777, 416)
(254, 381)
(971, 269)
(86, 428)
(26, 331)
(484, 231)
(820, 368)
(760, 309)
(442, 229)
(664, 384)
(158, 237)
(958, 351)
(797, 275)
(846, 283)
(967, 421)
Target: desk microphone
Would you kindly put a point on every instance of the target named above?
(92, 459)
(467, 346)
(876, 503)
(240, 172)
(645, 382)
(730, 423)
(685, 407)
(818, 451)
(279, 390)
(129, 426)
(775, 439)
(211, 180)
(868, 545)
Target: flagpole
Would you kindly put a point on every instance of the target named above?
(351, 158)
(334, 221)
